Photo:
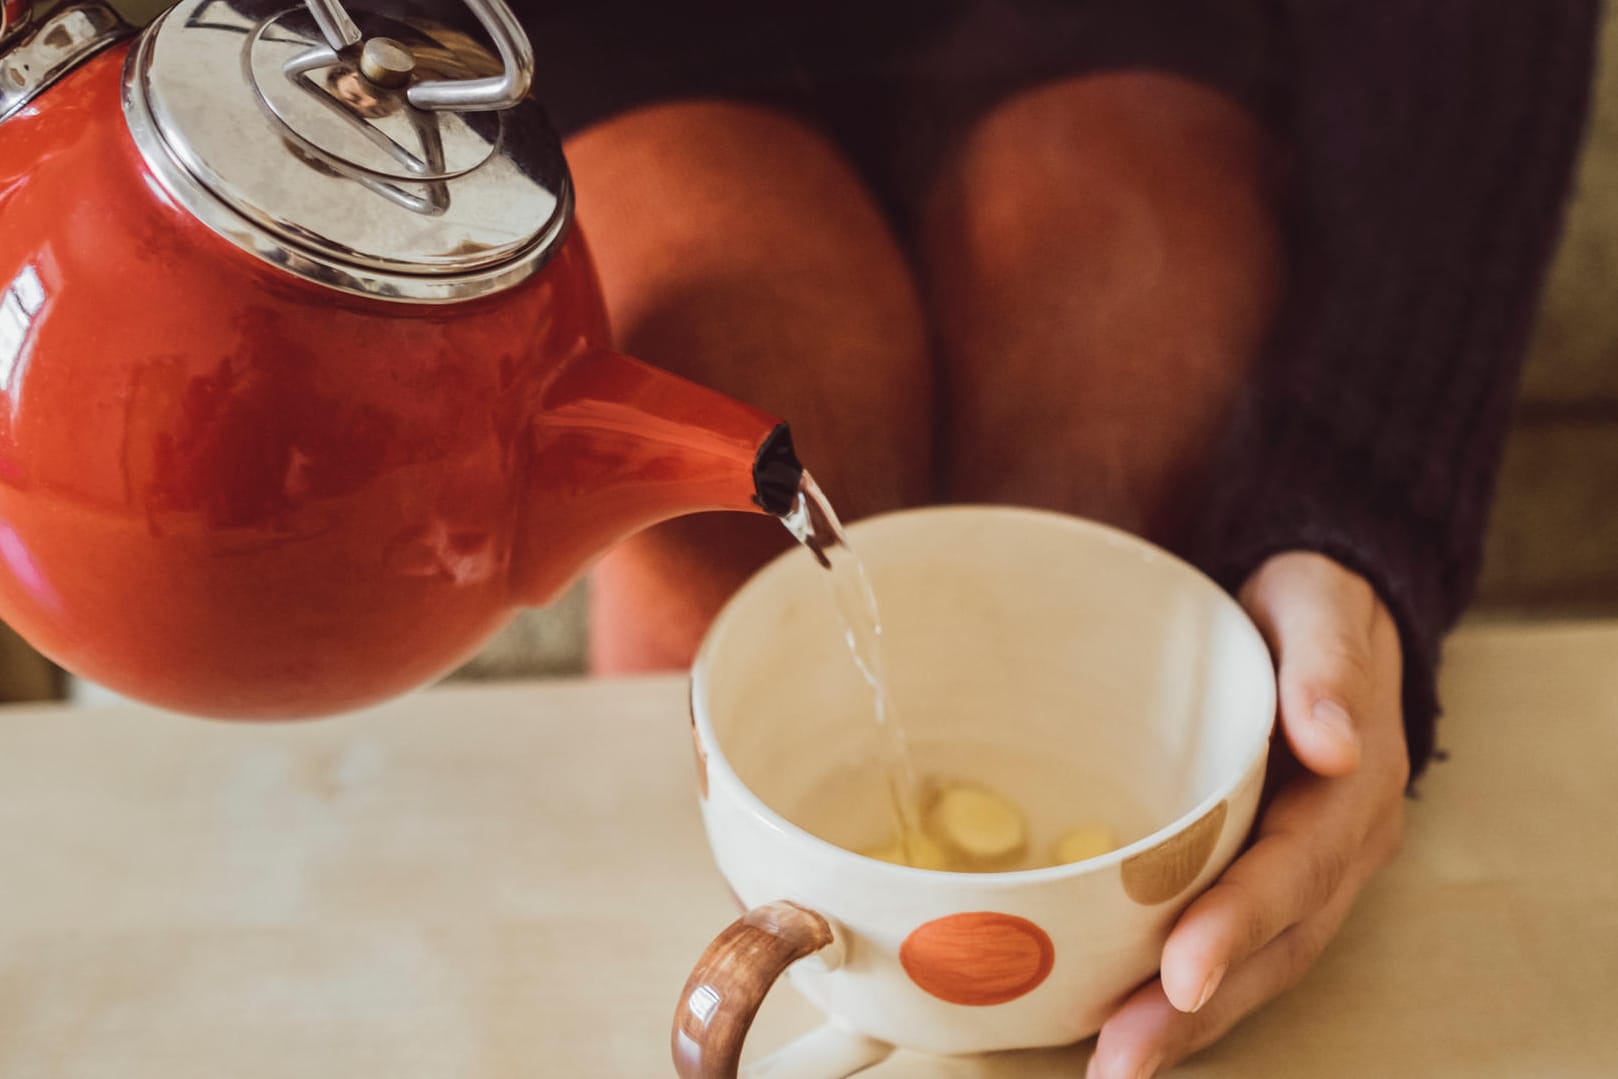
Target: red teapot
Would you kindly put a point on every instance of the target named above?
(305, 385)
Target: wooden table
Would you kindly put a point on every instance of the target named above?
(512, 881)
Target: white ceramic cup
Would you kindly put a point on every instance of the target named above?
(1006, 630)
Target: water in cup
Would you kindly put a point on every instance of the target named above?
(958, 818)
(984, 807)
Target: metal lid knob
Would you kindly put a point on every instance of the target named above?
(502, 91)
(387, 63)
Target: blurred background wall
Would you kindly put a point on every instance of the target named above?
(1552, 547)
(1553, 540)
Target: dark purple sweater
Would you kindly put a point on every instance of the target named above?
(1434, 142)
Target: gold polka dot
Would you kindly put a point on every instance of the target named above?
(1160, 874)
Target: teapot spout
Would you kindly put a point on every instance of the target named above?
(620, 445)
(777, 473)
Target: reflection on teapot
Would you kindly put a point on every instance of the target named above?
(273, 440)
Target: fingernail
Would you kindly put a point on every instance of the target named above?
(1334, 718)
(1209, 986)
(1149, 1069)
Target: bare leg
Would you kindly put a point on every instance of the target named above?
(1103, 265)
(738, 249)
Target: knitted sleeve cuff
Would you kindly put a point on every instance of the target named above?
(1435, 141)
(1301, 500)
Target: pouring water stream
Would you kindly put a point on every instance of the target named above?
(814, 523)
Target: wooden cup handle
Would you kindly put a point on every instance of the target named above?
(730, 981)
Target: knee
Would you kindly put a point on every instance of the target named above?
(707, 198)
(1137, 188)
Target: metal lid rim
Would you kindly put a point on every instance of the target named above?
(188, 191)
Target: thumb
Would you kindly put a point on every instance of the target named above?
(1317, 618)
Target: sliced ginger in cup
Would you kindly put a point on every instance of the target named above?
(970, 828)
(980, 831)
(966, 828)
(924, 853)
(1082, 844)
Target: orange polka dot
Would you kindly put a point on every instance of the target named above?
(978, 958)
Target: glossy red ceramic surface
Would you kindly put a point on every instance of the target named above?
(13, 12)
(227, 491)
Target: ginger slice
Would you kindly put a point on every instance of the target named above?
(1084, 843)
(979, 829)
(924, 853)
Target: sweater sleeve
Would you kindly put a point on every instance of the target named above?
(1433, 142)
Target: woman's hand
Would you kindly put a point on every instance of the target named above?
(1331, 825)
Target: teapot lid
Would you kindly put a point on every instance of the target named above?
(380, 156)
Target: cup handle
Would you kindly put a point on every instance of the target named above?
(730, 981)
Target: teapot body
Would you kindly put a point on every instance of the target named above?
(226, 491)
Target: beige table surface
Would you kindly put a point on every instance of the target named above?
(512, 881)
